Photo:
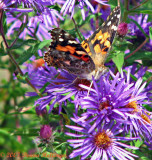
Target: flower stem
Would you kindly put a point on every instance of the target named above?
(137, 49)
(22, 28)
(126, 6)
(76, 28)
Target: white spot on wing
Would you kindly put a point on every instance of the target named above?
(75, 42)
(66, 34)
(114, 27)
(61, 39)
(118, 16)
(108, 24)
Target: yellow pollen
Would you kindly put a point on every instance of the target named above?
(146, 118)
(133, 105)
(102, 140)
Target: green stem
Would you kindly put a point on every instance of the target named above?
(76, 28)
(21, 30)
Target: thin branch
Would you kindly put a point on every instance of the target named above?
(139, 5)
(10, 55)
(22, 74)
(76, 28)
(97, 18)
(138, 48)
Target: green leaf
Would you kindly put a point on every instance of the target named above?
(4, 23)
(82, 22)
(150, 32)
(44, 43)
(140, 154)
(119, 60)
(56, 7)
(27, 101)
(31, 51)
(27, 54)
(21, 42)
(140, 55)
(141, 11)
(2, 50)
(137, 143)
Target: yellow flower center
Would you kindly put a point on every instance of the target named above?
(102, 140)
(133, 105)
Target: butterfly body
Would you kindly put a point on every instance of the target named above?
(86, 59)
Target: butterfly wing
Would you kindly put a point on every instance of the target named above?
(98, 44)
(66, 53)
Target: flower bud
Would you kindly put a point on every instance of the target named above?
(40, 112)
(45, 132)
(122, 29)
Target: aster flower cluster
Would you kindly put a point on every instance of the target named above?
(107, 116)
(135, 31)
(114, 107)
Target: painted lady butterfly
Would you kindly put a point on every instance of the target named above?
(86, 59)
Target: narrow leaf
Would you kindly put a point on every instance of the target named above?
(119, 60)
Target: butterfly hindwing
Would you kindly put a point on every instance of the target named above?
(66, 53)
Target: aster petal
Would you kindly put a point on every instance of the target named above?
(89, 151)
(68, 96)
(74, 135)
(89, 5)
(96, 155)
(78, 129)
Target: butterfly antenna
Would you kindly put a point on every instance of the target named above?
(90, 88)
(96, 75)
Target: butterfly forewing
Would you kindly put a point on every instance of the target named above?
(98, 44)
(86, 59)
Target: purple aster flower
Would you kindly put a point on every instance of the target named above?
(105, 10)
(37, 4)
(120, 100)
(39, 74)
(138, 72)
(69, 6)
(43, 23)
(60, 86)
(63, 88)
(135, 31)
(6, 5)
(102, 143)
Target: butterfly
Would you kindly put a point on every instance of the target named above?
(84, 59)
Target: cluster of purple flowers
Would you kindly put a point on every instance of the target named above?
(114, 107)
(39, 22)
(135, 31)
